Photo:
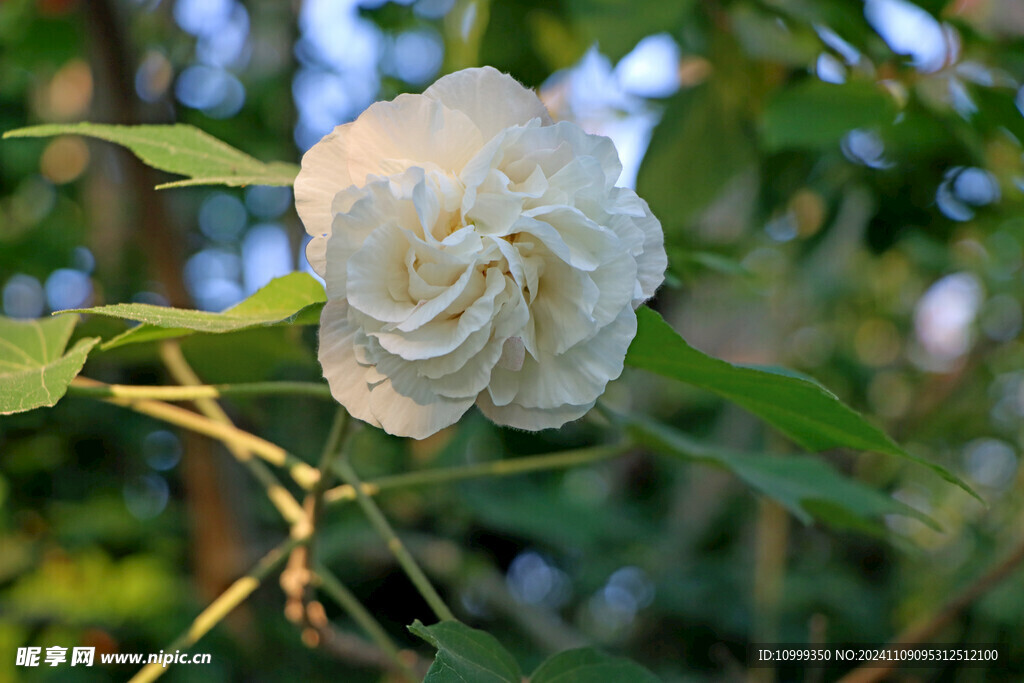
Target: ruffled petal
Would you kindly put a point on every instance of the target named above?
(576, 377)
(323, 174)
(531, 419)
(473, 376)
(337, 354)
(651, 264)
(492, 100)
(316, 255)
(442, 336)
(402, 416)
(410, 130)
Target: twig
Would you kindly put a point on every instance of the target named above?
(296, 578)
(395, 545)
(929, 627)
(303, 473)
(301, 606)
(193, 392)
(395, 658)
(182, 373)
(222, 606)
(494, 468)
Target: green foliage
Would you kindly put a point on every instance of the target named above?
(292, 299)
(586, 665)
(35, 370)
(815, 115)
(807, 487)
(178, 148)
(796, 405)
(752, 124)
(466, 654)
(696, 150)
(618, 25)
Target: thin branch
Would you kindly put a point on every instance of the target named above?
(222, 606)
(494, 468)
(330, 584)
(333, 448)
(199, 391)
(182, 372)
(297, 580)
(927, 628)
(395, 545)
(303, 473)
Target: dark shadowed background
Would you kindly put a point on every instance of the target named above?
(840, 185)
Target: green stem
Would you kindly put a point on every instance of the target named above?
(336, 439)
(303, 473)
(494, 468)
(201, 391)
(179, 368)
(330, 584)
(395, 545)
(222, 606)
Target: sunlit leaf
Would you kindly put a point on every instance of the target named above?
(816, 115)
(587, 665)
(796, 405)
(35, 370)
(466, 654)
(178, 148)
(293, 298)
(806, 486)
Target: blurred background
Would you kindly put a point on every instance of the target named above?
(841, 187)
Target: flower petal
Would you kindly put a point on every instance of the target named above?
(409, 131)
(441, 337)
(337, 355)
(492, 100)
(576, 377)
(532, 419)
(402, 416)
(323, 174)
(651, 264)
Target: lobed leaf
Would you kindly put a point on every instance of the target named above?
(35, 370)
(466, 654)
(294, 298)
(177, 148)
(796, 405)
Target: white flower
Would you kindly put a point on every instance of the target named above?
(474, 252)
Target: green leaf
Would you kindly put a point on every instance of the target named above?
(295, 298)
(763, 36)
(698, 147)
(816, 115)
(796, 405)
(587, 665)
(618, 25)
(178, 148)
(466, 654)
(34, 369)
(806, 486)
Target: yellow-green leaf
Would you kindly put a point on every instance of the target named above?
(177, 148)
(293, 298)
(35, 370)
